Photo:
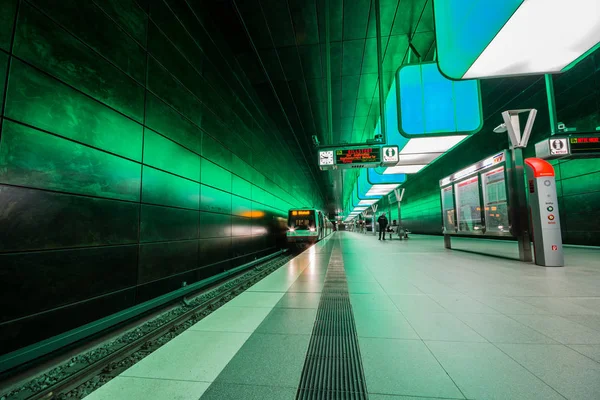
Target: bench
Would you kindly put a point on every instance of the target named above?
(400, 231)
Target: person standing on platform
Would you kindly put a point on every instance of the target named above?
(383, 221)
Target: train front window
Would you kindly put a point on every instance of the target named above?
(301, 220)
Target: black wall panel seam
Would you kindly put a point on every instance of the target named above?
(121, 28)
(200, 75)
(8, 253)
(137, 275)
(74, 89)
(69, 193)
(66, 306)
(10, 50)
(70, 139)
(99, 55)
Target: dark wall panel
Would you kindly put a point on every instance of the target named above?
(166, 223)
(76, 275)
(36, 159)
(37, 99)
(7, 17)
(36, 220)
(160, 260)
(44, 44)
(134, 157)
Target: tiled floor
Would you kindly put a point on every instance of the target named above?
(431, 323)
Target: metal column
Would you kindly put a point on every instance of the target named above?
(551, 103)
(519, 211)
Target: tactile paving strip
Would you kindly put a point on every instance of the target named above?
(333, 367)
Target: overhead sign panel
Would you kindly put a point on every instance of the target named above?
(483, 38)
(359, 157)
(572, 146)
(365, 155)
(433, 105)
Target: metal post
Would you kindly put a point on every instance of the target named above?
(380, 73)
(447, 242)
(374, 207)
(328, 75)
(551, 103)
(520, 221)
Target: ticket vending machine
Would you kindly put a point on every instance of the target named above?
(543, 206)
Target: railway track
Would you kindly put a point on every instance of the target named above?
(86, 372)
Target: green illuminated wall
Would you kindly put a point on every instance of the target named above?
(578, 106)
(134, 157)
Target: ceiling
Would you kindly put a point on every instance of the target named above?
(282, 46)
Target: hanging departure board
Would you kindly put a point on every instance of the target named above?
(585, 144)
(361, 155)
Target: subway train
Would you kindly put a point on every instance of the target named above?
(307, 226)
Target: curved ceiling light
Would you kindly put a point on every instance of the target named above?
(483, 38)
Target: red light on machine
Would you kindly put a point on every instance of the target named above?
(551, 217)
(554, 247)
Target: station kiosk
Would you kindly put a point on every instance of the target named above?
(479, 201)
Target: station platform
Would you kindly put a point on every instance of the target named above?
(424, 322)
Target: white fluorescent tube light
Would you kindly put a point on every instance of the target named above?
(404, 169)
(542, 36)
(367, 202)
(438, 144)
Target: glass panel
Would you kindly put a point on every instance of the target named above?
(495, 201)
(468, 206)
(430, 103)
(448, 210)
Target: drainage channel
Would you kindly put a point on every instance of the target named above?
(333, 367)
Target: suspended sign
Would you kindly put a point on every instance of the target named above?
(358, 157)
(483, 39)
(573, 146)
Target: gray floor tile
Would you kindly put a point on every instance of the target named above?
(442, 327)
(509, 305)
(573, 375)
(148, 389)
(393, 397)
(560, 329)
(558, 306)
(309, 287)
(300, 300)
(233, 319)
(399, 286)
(417, 304)
(365, 287)
(192, 356)
(591, 321)
(462, 304)
(499, 328)
(369, 301)
(404, 367)
(289, 321)
(268, 360)
(482, 371)
(383, 324)
(255, 299)
(232, 391)
(590, 350)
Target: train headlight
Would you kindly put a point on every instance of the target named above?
(312, 229)
(292, 229)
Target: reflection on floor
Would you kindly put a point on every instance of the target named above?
(431, 323)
